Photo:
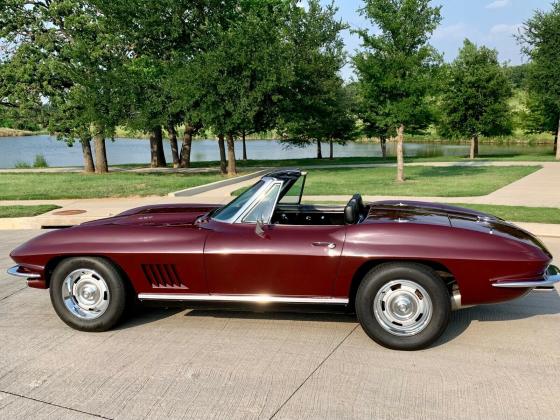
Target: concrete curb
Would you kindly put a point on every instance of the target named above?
(188, 192)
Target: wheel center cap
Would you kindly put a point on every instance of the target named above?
(403, 306)
(88, 292)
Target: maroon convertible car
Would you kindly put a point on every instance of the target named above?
(402, 266)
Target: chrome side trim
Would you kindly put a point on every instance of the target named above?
(551, 276)
(239, 298)
(13, 271)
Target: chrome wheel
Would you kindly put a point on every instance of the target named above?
(402, 307)
(85, 294)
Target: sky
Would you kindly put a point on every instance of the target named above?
(485, 22)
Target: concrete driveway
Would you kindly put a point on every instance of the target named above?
(498, 361)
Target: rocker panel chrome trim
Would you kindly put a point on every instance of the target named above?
(240, 298)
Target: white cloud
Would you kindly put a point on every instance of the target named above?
(497, 4)
(503, 29)
(456, 31)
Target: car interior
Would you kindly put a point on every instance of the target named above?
(290, 211)
(310, 214)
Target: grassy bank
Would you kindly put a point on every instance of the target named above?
(537, 156)
(25, 211)
(45, 186)
(11, 132)
(421, 181)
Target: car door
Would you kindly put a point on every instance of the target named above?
(244, 257)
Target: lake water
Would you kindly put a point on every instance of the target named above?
(57, 153)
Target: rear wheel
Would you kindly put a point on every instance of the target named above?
(403, 306)
(88, 293)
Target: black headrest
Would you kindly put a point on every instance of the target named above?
(351, 213)
(359, 202)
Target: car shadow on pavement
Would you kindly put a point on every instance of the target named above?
(142, 314)
(279, 314)
(536, 303)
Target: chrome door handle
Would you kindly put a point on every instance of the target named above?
(329, 245)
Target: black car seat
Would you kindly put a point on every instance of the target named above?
(361, 206)
(355, 210)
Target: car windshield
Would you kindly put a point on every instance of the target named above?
(229, 210)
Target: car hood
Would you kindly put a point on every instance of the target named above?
(445, 215)
(157, 215)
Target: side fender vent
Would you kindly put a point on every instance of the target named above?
(163, 275)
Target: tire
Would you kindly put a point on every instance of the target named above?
(88, 293)
(403, 306)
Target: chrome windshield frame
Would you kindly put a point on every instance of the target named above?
(268, 182)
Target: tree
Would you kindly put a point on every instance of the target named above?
(64, 49)
(395, 67)
(518, 75)
(234, 82)
(541, 42)
(311, 101)
(475, 98)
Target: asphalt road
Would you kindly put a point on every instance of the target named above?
(498, 361)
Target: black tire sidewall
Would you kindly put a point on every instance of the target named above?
(425, 277)
(115, 283)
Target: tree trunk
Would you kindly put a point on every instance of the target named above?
(557, 149)
(88, 157)
(156, 148)
(383, 143)
(172, 133)
(319, 152)
(185, 161)
(222, 154)
(100, 152)
(331, 153)
(400, 154)
(244, 145)
(231, 166)
(474, 147)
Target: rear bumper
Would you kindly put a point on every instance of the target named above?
(551, 276)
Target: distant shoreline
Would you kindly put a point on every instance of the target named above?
(11, 132)
(520, 139)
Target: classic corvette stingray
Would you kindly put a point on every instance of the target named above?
(402, 266)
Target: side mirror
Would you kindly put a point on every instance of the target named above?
(259, 227)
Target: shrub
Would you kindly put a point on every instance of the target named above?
(40, 162)
(22, 165)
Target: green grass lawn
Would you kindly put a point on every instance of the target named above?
(537, 156)
(519, 213)
(420, 181)
(25, 211)
(46, 186)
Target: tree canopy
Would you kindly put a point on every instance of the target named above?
(396, 65)
(541, 42)
(475, 99)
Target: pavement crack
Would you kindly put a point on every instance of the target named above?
(13, 293)
(55, 405)
(313, 372)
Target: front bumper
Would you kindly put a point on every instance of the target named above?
(16, 270)
(33, 273)
(551, 276)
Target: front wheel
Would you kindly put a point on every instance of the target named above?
(87, 293)
(403, 306)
